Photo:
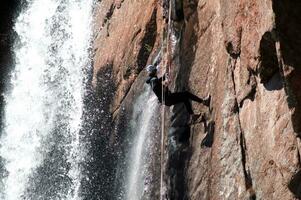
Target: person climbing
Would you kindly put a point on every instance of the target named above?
(171, 98)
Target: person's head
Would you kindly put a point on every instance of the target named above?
(151, 70)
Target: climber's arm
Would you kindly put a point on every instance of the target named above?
(164, 79)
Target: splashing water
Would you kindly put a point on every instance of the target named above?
(145, 116)
(40, 144)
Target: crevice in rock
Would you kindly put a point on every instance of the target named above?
(247, 174)
(179, 130)
(233, 62)
(177, 11)
(252, 92)
(106, 21)
(148, 42)
(251, 95)
(299, 157)
(109, 14)
(136, 34)
(248, 178)
(233, 47)
(243, 147)
(230, 49)
(119, 4)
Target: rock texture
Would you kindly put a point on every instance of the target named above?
(245, 54)
(127, 37)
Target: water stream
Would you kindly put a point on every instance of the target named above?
(40, 144)
(143, 152)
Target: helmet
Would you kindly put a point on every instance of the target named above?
(151, 69)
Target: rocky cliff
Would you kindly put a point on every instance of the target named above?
(245, 54)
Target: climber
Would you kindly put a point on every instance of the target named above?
(171, 98)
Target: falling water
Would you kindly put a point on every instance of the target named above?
(40, 144)
(143, 126)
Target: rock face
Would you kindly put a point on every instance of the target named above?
(127, 36)
(245, 54)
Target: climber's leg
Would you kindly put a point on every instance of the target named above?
(179, 97)
(193, 97)
(188, 107)
(175, 98)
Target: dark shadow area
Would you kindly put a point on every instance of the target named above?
(9, 10)
(275, 82)
(288, 28)
(176, 172)
(209, 138)
(247, 174)
(179, 130)
(230, 49)
(181, 133)
(109, 15)
(177, 10)
(252, 93)
(295, 185)
(268, 59)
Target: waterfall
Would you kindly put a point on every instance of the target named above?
(40, 150)
(143, 148)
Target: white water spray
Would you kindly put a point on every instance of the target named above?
(144, 115)
(47, 88)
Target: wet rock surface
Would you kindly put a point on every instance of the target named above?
(245, 55)
(127, 37)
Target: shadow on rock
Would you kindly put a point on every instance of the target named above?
(209, 138)
(288, 27)
(295, 184)
(269, 71)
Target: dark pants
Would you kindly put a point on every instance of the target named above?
(182, 97)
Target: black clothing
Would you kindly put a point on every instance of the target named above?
(156, 85)
(172, 98)
(182, 97)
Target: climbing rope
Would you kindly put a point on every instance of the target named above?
(166, 74)
(162, 131)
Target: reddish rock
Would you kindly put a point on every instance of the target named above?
(125, 39)
(255, 146)
(245, 54)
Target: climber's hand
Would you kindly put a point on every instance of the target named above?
(166, 79)
(165, 83)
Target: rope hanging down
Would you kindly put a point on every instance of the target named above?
(166, 65)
